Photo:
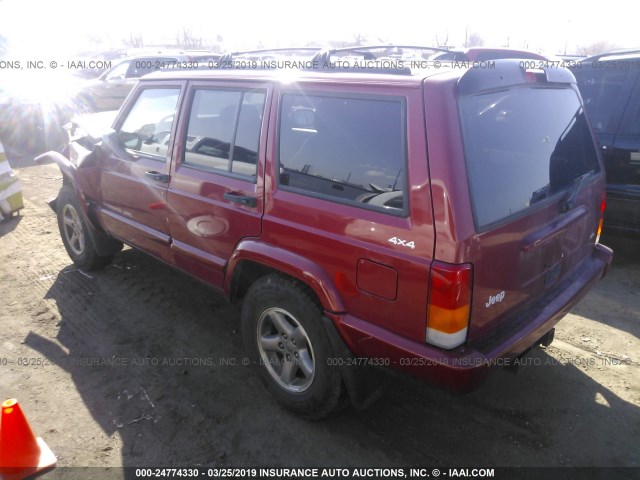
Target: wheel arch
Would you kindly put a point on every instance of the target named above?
(253, 259)
(68, 177)
(104, 244)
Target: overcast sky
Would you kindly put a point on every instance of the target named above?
(63, 27)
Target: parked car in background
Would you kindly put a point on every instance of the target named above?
(438, 221)
(572, 58)
(96, 63)
(109, 90)
(610, 87)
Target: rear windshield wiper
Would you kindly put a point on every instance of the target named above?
(540, 194)
(577, 186)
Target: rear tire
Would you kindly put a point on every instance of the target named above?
(284, 336)
(74, 232)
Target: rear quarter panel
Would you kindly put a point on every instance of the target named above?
(385, 284)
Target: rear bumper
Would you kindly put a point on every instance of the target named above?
(464, 368)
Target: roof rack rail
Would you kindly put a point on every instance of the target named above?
(324, 59)
(227, 59)
(327, 60)
(594, 58)
(360, 48)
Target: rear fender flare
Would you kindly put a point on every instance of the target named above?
(289, 263)
(362, 383)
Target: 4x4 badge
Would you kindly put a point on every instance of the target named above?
(404, 243)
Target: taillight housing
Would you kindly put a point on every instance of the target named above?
(450, 289)
(603, 206)
(535, 75)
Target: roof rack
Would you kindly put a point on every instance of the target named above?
(364, 48)
(336, 60)
(612, 54)
(381, 63)
(227, 60)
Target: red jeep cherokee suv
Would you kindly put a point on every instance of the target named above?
(438, 221)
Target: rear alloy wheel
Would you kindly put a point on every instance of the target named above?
(285, 350)
(74, 233)
(284, 335)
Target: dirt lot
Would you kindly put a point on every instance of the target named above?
(180, 395)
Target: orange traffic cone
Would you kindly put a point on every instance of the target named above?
(21, 453)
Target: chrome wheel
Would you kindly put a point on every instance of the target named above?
(285, 350)
(73, 229)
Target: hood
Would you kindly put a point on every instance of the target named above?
(92, 125)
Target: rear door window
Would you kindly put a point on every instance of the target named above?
(522, 146)
(224, 131)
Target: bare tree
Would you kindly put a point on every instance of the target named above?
(188, 40)
(359, 39)
(595, 48)
(474, 40)
(445, 43)
(135, 40)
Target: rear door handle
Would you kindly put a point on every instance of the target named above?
(245, 200)
(157, 176)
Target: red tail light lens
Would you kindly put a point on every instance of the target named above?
(603, 206)
(449, 304)
(535, 75)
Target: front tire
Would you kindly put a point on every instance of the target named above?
(74, 232)
(284, 336)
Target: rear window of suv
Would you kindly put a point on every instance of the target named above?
(523, 145)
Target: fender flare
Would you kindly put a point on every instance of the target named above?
(63, 162)
(362, 384)
(289, 263)
(68, 171)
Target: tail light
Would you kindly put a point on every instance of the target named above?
(535, 75)
(449, 304)
(603, 206)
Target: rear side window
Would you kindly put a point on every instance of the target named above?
(224, 131)
(348, 150)
(600, 88)
(523, 145)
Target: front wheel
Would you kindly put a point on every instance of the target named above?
(284, 336)
(74, 232)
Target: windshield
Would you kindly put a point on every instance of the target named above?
(523, 145)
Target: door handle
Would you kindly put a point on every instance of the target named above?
(157, 176)
(245, 200)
